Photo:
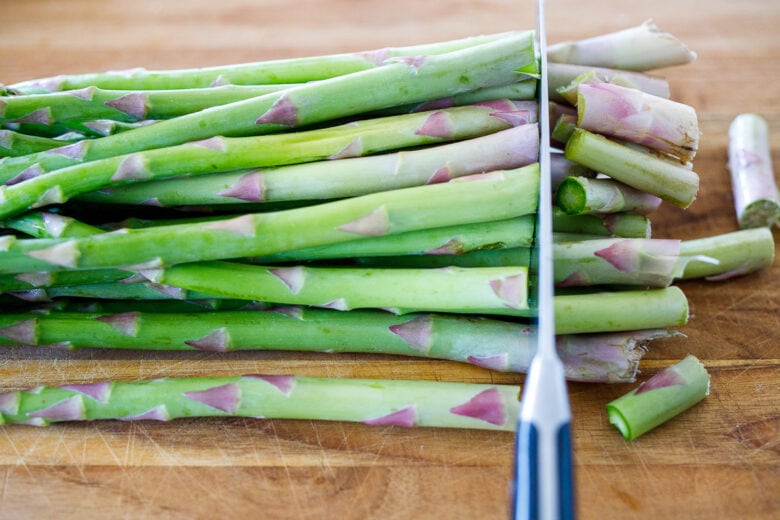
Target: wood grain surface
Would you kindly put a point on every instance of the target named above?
(719, 460)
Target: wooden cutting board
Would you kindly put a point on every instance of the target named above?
(719, 460)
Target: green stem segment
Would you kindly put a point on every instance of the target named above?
(582, 195)
(373, 402)
(665, 395)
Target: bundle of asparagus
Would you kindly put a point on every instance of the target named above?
(380, 202)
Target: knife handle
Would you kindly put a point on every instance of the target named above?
(544, 483)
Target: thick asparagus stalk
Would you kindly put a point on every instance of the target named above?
(560, 75)
(628, 225)
(293, 70)
(371, 401)
(222, 154)
(488, 290)
(665, 395)
(641, 48)
(724, 256)
(322, 180)
(756, 198)
(632, 115)
(479, 198)
(582, 195)
(403, 81)
(13, 144)
(494, 344)
(670, 182)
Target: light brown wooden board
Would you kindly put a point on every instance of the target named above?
(718, 460)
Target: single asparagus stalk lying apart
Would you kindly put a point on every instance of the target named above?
(756, 198)
(668, 393)
(494, 344)
(370, 401)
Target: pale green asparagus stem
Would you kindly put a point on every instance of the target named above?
(223, 154)
(293, 70)
(488, 290)
(322, 180)
(480, 198)
(631, 115)
(14, 144)
(494, 344)
(754, 188)
(628, 225)
(561, 75)
(641, 48)
(581, 195)
(665, 395)
(729, 254)
(670, 182)
(374, 401)
(405, 80)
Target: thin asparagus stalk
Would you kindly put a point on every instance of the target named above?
(223, 154)
(641, 48)
(43, 224)
(403, 81)
(560, 75)
(728, 254)
(293, 70)
(581, 195)
(524, 89)
(486, 290)
(322, 180)
(665, 395)
(112, 290)
(756, 198)
(480, 198)
(123, 105)
(370, 401)
(104, 127)
(494, 344)
(33, 283)
(505, 256)
(672, 183)
(635, 116)
(14, 144)
(628, 225)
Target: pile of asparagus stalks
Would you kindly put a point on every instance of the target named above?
(375, 202)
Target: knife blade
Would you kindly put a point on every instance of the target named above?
(543, 481)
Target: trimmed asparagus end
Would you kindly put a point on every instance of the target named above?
(665, 395)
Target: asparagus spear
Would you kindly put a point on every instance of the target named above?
(724, 256)
(640, 48)
(628, 225)
(405, 80)
(632, 115)
(560, 75)
(371, 401)
(322, 180)
(756, 198)
(672, 183)
(222, 154)
(665, 395)
(13, 144)
(582, 195)
(293, 70)
(494, 344)
(43, 224)
(480, 198)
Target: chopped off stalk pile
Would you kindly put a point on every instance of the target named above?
(376, 202)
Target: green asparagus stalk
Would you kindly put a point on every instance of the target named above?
(561, 75)
(727, 255)
(505, 256)
(628, 225)
(104, 127)
(31, 285)
(405, 80)
(672, 183)
(223, 154)
(14, 144)
(43, 224)
(754, 188)
(322, 180)
(582, 195)
(123, 105)
(112, 290)
(665, 395)
(294, 70)
(563, 128)
(494, 344)
(370, 401)
(480, 198)
(641, 48)
(487, 290)
(632, 115)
